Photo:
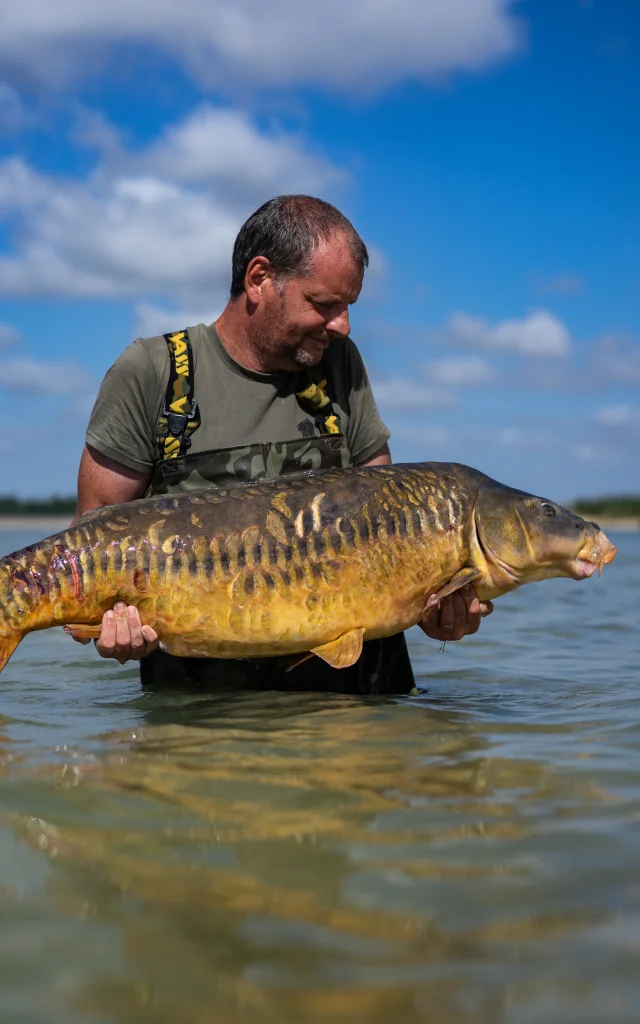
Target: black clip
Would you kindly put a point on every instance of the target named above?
(177, 421)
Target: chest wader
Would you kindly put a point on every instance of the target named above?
(384, 665)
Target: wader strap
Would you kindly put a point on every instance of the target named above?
(315, 400)
(180, 415)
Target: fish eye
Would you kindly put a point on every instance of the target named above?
(548, 509)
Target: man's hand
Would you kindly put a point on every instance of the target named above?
(459, 615)
(123, 637)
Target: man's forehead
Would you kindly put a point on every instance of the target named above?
(334, 272)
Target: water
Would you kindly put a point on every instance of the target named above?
(469, 855)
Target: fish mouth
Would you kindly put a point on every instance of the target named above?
(595, 554)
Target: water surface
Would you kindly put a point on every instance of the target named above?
(468, 855)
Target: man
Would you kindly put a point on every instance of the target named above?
(275, 386)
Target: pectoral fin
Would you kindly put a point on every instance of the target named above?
(342, 652)
(461, 578)
(81, 631)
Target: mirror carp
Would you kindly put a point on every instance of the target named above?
(313, 563)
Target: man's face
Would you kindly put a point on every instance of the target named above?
(298, 317)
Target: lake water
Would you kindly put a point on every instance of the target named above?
(468, 855)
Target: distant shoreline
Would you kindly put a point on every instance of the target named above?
(50, 524)
(626, 523)
(53, 524)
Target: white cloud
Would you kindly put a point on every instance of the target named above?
(617, 416)
(150, 320)
(31, 375)
(159, 221)
(460, 371)
(362, 45)
(595, 453)
(540, 333)
(402, 393)
(222, 148)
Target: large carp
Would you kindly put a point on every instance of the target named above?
(318, 563)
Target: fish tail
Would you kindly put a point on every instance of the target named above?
(10, 637)
(9, 640)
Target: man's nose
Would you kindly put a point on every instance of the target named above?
(340, 324)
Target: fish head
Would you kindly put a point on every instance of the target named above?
(518, 538)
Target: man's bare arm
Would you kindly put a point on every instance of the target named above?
(101, 481)
(381, 458)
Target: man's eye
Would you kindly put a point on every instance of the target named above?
(548, 509)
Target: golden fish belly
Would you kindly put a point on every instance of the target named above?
(259, 613)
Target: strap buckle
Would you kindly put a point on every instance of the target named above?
(177, 421)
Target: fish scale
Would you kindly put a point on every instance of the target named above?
(315, 563)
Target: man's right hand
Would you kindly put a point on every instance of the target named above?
(123, 637)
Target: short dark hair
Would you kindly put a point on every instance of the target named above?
(287, 230)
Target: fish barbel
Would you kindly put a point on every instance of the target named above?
(316, 563)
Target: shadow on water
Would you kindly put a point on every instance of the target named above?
(466, 856)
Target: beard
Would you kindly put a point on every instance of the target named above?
(286, 349)
(304, 358)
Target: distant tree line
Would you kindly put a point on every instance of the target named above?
(613, 505)
(55, 506)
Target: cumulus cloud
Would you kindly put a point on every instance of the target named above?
(402, 393)
(36, 377)
(158, 221)
(617, 416)
(540, 333)
(460, 371)
(363, 45)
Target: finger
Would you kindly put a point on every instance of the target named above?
(106, 644)
(430, 626)
(471, 624)
(468, 595)
(135, 631)
(447, 616)
(151, 640)
(123, 633)
(486, 608)
(461, 622)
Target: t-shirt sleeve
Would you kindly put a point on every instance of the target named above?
(122, 425)
(366, 432)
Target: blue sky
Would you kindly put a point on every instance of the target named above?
(487, 150)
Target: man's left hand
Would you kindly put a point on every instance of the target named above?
(459, 615)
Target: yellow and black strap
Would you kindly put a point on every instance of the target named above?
(314, 399)
(180, 415)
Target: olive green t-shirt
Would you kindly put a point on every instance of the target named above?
(237, 406)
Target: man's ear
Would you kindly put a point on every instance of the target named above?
(259, 274)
